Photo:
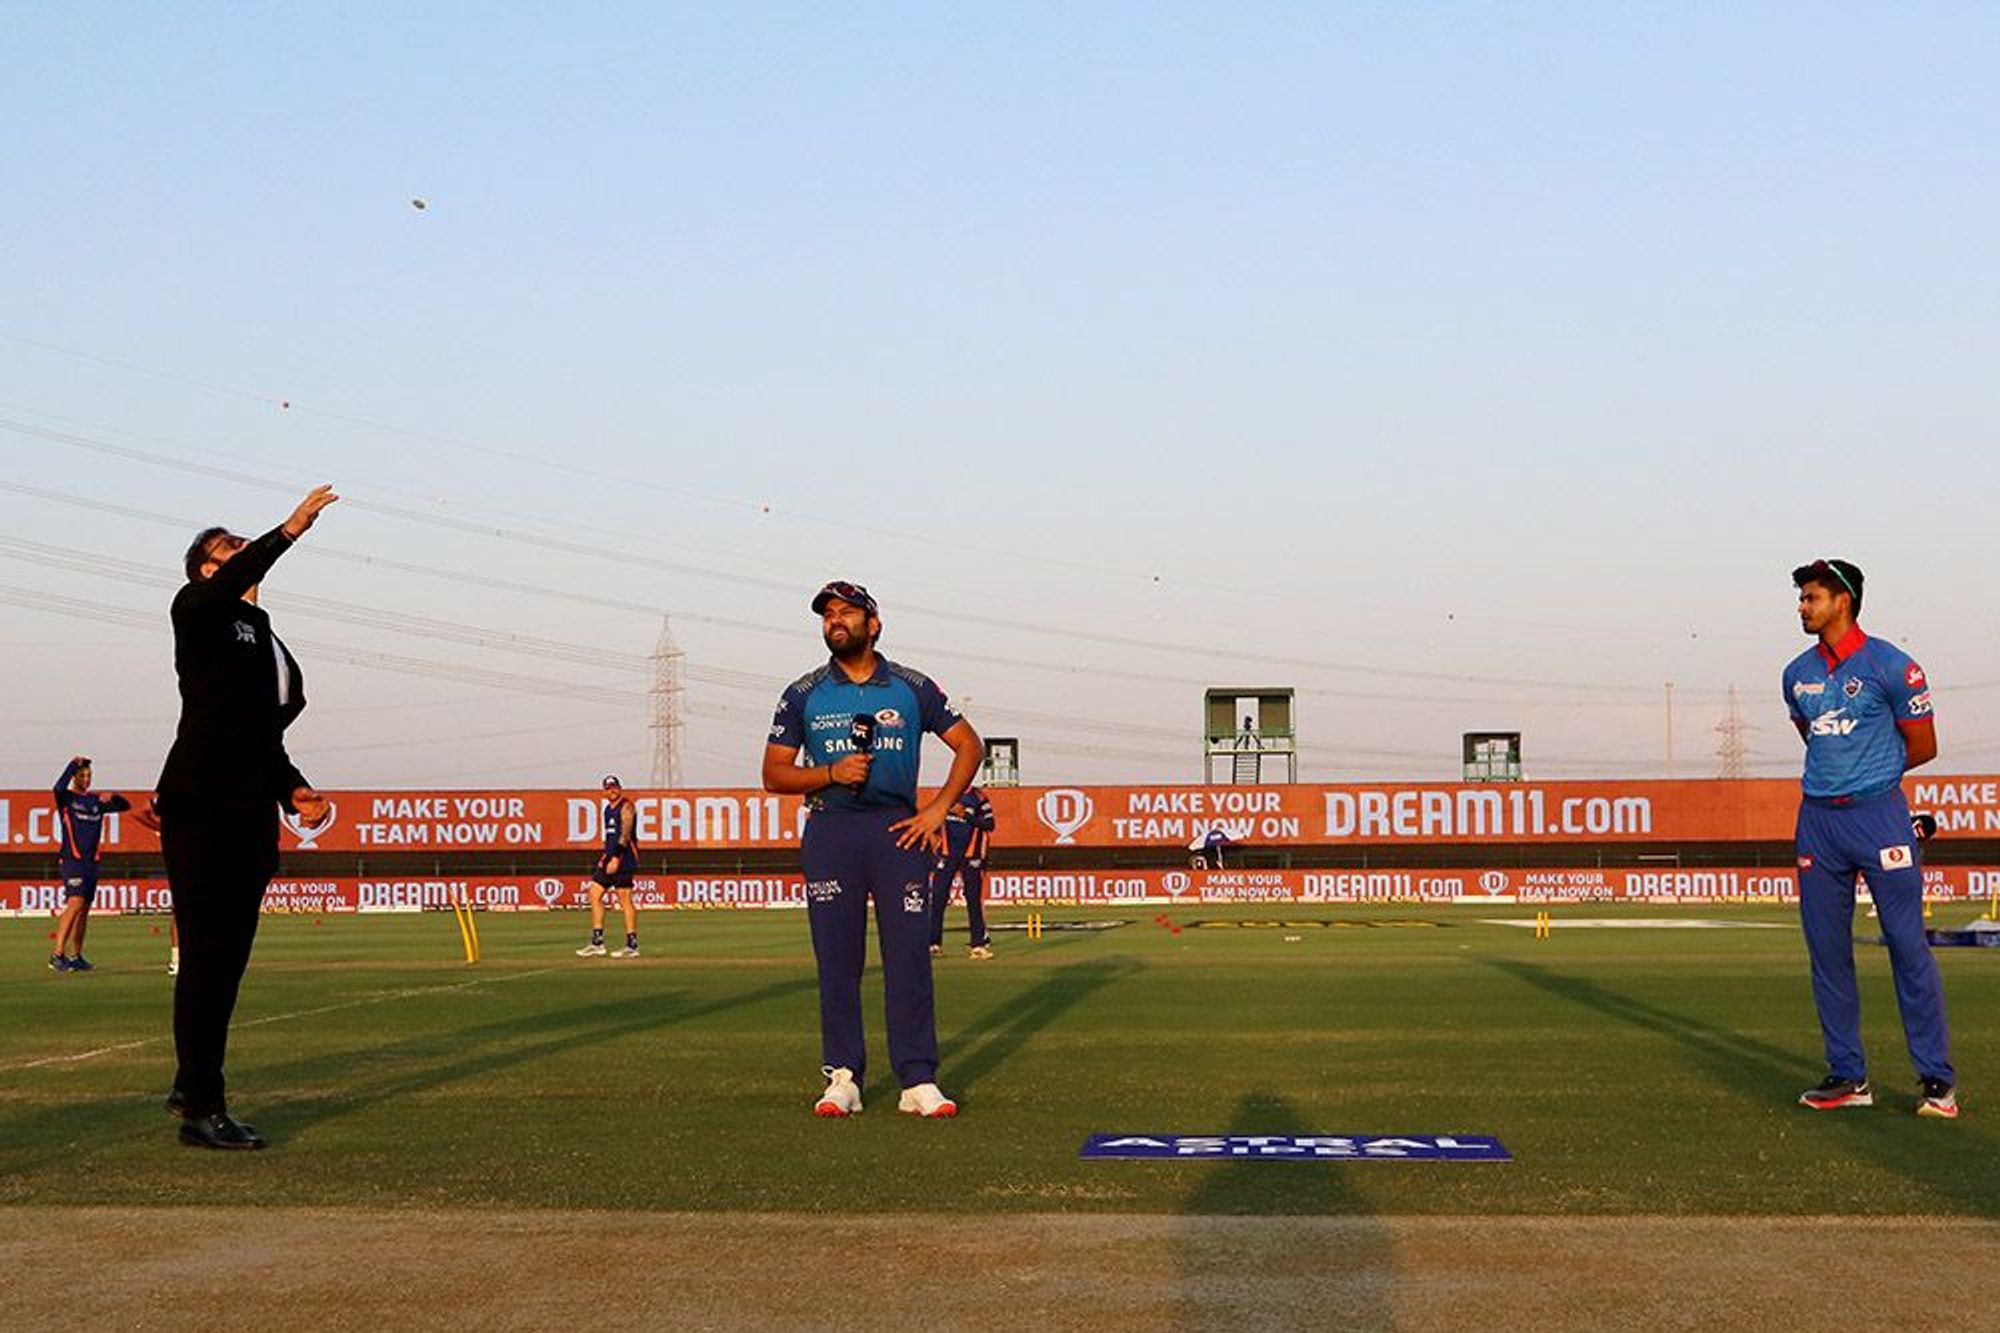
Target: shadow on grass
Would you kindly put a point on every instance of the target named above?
(440, 1057)
(1247, 1187)
(1889, 1136)
(1002, 1031)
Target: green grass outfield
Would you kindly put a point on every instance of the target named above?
(1629, 1071)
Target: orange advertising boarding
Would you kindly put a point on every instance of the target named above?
(1163, 816)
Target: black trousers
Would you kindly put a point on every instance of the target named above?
(220, 859)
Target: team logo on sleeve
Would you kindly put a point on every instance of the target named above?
(1897, 857)
(1914, 677)
(1920, 705)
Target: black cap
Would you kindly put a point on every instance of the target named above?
(611, 780)
(851, 593)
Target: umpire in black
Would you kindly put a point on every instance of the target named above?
(218, 799)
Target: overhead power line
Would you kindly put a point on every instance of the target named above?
(626, 557)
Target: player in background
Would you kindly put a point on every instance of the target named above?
(860, 721)
(1863, 708)
(80, 816)
(968, 829)
(615, 867)
(1205, 849)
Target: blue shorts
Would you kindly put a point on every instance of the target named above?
(628, 862)
(79, 881)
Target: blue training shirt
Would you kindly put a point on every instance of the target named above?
(1854, 702)
(971, 816)
(816, 714)
(81, 815)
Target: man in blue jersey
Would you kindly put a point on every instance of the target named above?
(967, 830)
(1863, 708)
(80, 816)
(860, 720)
(615, 867)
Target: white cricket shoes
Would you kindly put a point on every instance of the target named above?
(842, 1096)
(928, 1101)
(592, 951)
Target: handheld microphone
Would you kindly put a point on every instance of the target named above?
(861, 734)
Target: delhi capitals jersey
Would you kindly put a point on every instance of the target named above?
(816, 714)
(1853, 702)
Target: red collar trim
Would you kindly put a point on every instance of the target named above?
(1846, 648)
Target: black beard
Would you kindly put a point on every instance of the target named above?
(854, 649)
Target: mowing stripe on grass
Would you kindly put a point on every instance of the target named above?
(410, 993)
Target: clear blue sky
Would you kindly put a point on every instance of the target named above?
(1461, 365)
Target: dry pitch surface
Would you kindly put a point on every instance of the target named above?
(265, 1268)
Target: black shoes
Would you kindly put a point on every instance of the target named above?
(220, 1130)
(1938, 1099)
(1835, 1093)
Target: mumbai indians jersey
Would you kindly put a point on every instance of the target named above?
(1854, 701)
(816, 714)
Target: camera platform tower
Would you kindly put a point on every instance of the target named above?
(1245, 726)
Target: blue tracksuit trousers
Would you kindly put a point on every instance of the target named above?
(851, 856)
(959, 862)
(1870, 835)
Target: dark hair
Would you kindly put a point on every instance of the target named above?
(1836, 576)
(197, 552)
